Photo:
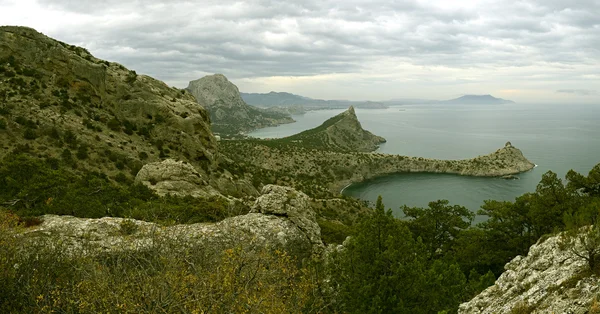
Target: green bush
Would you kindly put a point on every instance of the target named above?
(114, 124)
(128, 227)
(30, 134)
(82, 152)
(70, 138)
(2, 124)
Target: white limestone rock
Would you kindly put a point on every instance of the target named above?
(548, 280)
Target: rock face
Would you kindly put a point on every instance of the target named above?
(180, 178)
(113, 111)
(175, 178)
(550, 279)
(287, 202)
(285, 221)
(228, 112)
(340, 133)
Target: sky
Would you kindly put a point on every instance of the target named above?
(530, 51)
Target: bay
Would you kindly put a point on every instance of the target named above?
(554, 137)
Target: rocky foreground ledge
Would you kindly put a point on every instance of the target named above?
(550, 279)
(281, 218)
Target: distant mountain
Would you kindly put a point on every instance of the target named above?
(228, 111)
(282, 99)
(477, 100)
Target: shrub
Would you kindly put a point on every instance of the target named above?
(70, 138)
(131, 77)
(82, 152)
(54, 133)
(114, 124)
(128, 227)
(30, 134)
(2, 124)
(66, 156)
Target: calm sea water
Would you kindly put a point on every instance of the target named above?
(556, 138)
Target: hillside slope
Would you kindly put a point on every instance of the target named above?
(229, 113)
(61, 104)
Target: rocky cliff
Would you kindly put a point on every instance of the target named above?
(550, 279)
(228, 112)
(281, 219)
(340, 133)
(59, 101)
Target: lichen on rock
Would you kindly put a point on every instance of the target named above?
(293, 229)
(550, 279)
(295, 206)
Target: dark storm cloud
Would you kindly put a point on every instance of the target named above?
(175, 40)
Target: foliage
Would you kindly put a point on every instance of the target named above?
(32, 187)
(438, 225)
(163, 278)
(128, 227)
(385, 270)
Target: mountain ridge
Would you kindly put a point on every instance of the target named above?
(284, 99)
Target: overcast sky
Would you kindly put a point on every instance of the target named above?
(529, 51)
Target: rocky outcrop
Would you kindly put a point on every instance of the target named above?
(180, 178)
(340, 133)
(284, 220)
(550, 279)
(287, 202)
(228, 112)
(174, 178)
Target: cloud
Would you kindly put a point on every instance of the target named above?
(581, 92)
(178, 40)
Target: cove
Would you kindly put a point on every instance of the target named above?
(555, 137)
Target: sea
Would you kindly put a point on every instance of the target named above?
(554, 137)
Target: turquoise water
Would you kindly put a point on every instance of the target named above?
(556, 138)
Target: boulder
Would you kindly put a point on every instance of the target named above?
(174, 178)
(294, 205)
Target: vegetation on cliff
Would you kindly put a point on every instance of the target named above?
(60, 103)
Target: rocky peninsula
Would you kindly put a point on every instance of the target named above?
(337, 154)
